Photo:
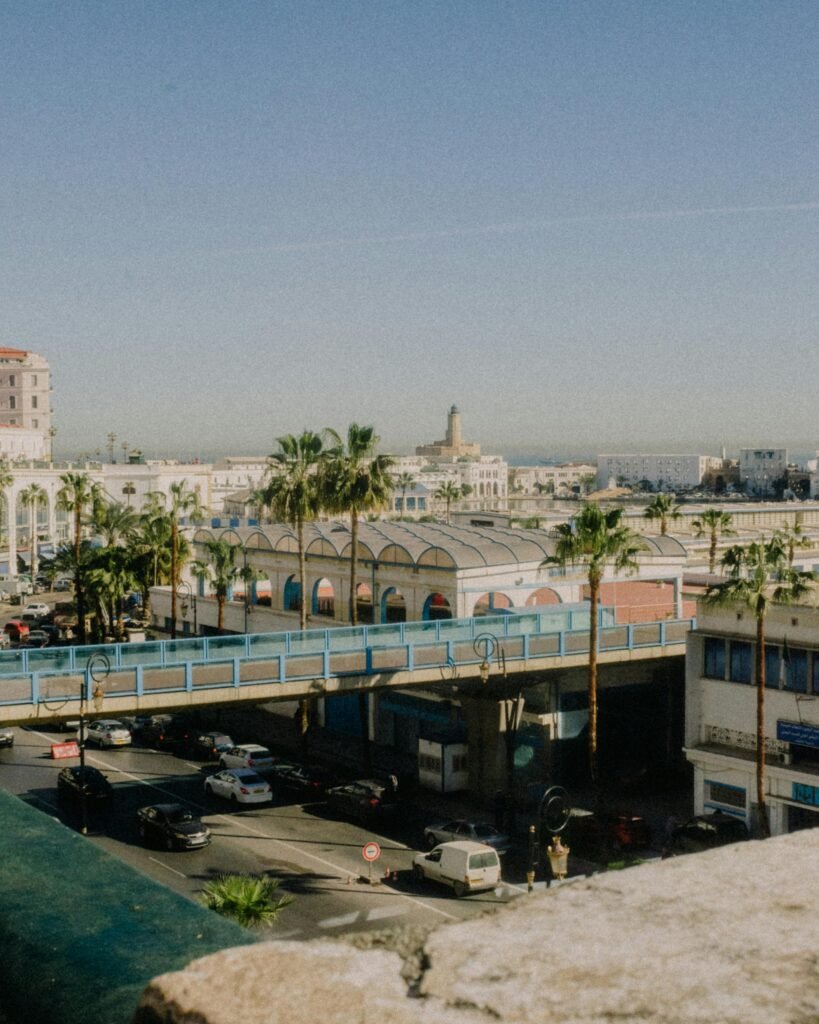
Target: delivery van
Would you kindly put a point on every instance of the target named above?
(464, 866)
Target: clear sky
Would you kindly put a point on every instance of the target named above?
(592, 225)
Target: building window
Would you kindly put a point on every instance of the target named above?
(12, 380)
(728, 796)
(34, 380)
(714, 658)
(741, 661)
(12, 402)
(35, 424)
(33, 401)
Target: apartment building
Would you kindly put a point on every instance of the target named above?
(662, 472)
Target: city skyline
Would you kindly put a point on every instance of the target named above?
(590, 225)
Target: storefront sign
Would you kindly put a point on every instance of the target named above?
(805, 794)
(795, 732)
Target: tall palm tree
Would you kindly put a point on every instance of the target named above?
(6, 480)
(449, 492)
(34, 496)
(180, 502)
(221, 572)
(596, 539)
(750, 570)
(77, 496)
(715, 522)
(293, 491)
(114, 522)
(150, 547)
(357, 480)
(110, 577)
(662, 508)
(792, 537)
(293, 494)
(404, 481)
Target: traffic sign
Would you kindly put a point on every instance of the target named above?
(371, 851)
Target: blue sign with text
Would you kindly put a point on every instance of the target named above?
(795, 732)
(805, 794)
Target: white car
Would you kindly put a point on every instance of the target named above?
(248, 755)
(240, 786)
(38, 608)
(106, 732)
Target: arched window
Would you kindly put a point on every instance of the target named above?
(292, 595)
(436, 606)
(393, 606)
(364, 603)
(492, 603)
(544, 595)
(324, 598)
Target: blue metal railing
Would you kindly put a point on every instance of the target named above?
(41, 675)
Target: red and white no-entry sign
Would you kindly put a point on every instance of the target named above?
(371, 851)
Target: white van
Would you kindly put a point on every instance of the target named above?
(466, 866)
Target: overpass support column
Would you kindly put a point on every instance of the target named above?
(487, 746)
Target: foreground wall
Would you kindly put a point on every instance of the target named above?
(723, 937)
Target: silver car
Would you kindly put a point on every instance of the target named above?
(240, 786)
(473, 831)
(107, 732)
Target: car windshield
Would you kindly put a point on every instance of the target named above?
(259, 754)
(483, 829)
(179, 814)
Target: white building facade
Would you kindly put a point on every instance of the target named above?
(663, 472)
(560, 480)
(760, 468)
(721, 714)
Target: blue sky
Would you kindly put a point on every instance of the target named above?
(592, 225)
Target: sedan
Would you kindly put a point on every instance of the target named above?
(707, 831)
(39, 609)
(248, 755)
(6, 737)
(363, 800)
(311, 783)
(107, 732)
(77, 780)
(240, 786)
(474, 831)
(209, 745)
(171, 826)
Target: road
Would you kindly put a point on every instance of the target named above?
(317, 859)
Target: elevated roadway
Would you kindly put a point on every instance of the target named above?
(50, 683)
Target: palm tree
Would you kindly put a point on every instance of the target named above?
(77, 496)
(221, 572)
(248, 900)
(714, 522)
(792, 537)
(596, 539)
(34, 496)
(662, 507)
(293, 492)
(6, 480)
(114, 522)
(449, 492)
(404, 481)
(150, 547)
(110, 577)
(356, 480)
(181, 501)
(750, 570)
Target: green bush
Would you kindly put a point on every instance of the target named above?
(248, 900)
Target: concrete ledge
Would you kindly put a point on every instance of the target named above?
(727, 937)
(82, 934)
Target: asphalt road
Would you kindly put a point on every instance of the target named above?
(318, 859)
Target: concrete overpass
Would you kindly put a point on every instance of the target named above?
(49, 683)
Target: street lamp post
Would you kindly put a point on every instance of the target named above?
(96, 672)
(187, 598)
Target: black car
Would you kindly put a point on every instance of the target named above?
(208, 745)
(707, 831)
(311, 783)
(171, 826)
(363, 800)
(166, 732)
(73, 781)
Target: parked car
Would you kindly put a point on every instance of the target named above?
(38, 609)
(309, 782)
(707, 831)
(35, 638)
(248, 755)
(363, 800)
(62, 585)
(106, 732)
(240, 786)
(16, 630)
(601, 836)
(135, 724)
(73, 781)
(209, 745)
(475, 831)
(463, 865)
(166, 732)
(6, 737)
(171, 826)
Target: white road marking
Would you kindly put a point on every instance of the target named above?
(167, 867)
(343, 873)
(389, 911)
(340, 921)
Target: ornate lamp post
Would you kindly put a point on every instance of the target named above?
(96, 672)
(187, 598)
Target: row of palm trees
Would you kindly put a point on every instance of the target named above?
(755, 576)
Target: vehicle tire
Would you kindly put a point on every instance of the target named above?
(459, 889)
(431, 841)
(417, 873)
(222, 764)
(208, 792)
(142, 834)
(233, 799)
(168, 843)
